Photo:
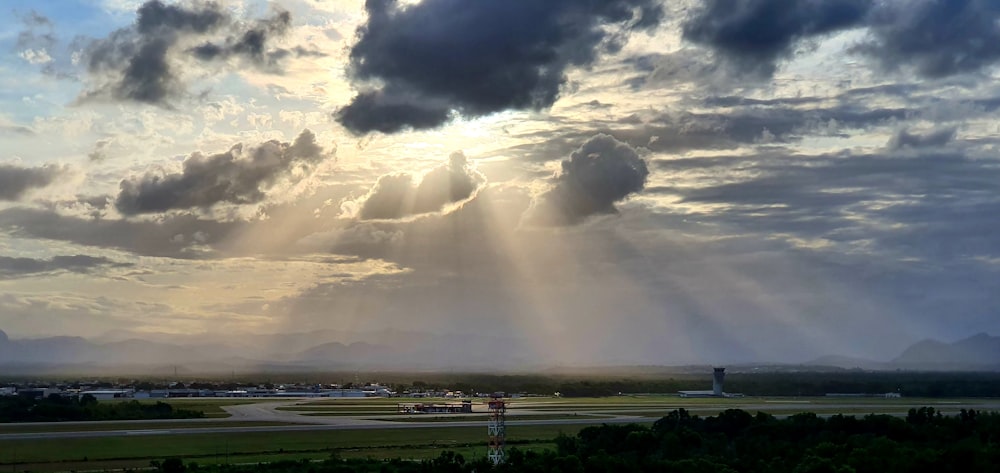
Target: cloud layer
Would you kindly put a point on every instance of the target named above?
(241, 175)
(13, 267)
(441, 57)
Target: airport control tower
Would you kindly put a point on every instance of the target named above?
(718, 376)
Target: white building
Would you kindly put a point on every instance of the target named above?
(107, 394)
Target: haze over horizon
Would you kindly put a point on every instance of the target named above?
(603, 181)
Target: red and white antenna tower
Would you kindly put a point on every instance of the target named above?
(497, 428)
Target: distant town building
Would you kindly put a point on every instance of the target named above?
(38, 393)
(108, 394)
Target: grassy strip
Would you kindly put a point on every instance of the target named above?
(210, 407)
(366, 402)
(193, 446)
(683, 402)
(605, 408)
(337, 408)
(900, 410)
(468, 451)
(111, 425)
(410, 453)
(482, 418)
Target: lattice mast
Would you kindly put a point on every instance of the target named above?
(497, 428)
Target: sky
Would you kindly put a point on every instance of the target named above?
(606, 181)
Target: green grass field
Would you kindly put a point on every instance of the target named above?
(138, 425)
(482, 417)
(48, 455)
(363, 409)
(210, 407)
(415, 453)
(366, 402)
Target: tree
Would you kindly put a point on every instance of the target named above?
(88, 400)
(173, 465)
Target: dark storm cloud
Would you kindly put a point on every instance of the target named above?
(12, 267)
(937, 38)
(241, 175)
(135, 58)
(475, 58)
(386, 112)
(395, 195)
(15, 180)
(597, 175)
(139, 63)
(756, 34)
(938, 137)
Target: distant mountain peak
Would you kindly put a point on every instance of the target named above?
(978, 351)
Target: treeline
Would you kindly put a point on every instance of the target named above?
(909, 384)
(732, 442)
(752, 384)
(757, 383)
(56, 408)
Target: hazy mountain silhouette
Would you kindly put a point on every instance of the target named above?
(385, 349)
(978, 352)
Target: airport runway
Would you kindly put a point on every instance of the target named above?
(268, 412)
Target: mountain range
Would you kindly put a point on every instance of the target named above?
(330, 350)
(980, 352)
